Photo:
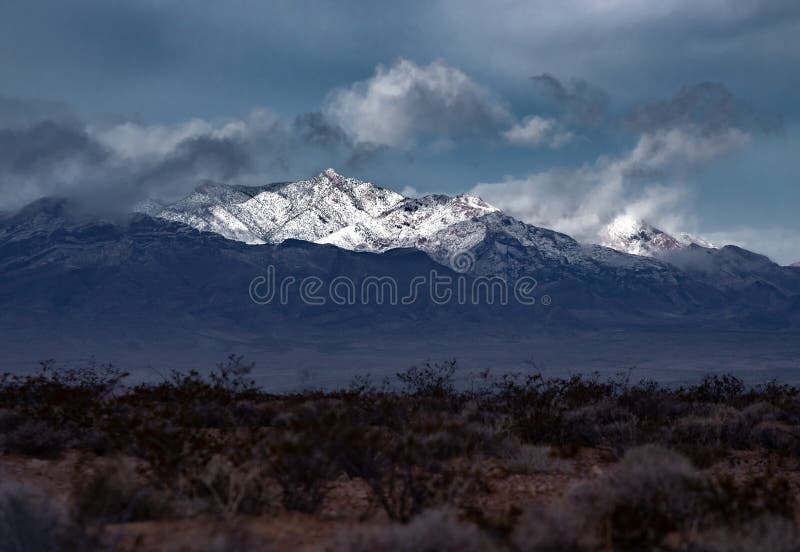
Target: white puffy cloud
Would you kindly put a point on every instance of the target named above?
(401, 103)
(582, 201)
(681, 149)
(131, 140)
(534, 131)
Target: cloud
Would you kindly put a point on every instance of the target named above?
(315, 129)
(407, 101)
(583, 103)
(22, 112)
(410, 191)
(679, 150)
(64, 160)
(46, 147)
(677, 137)
(117, 163)
(582, 201)
(535, 131)
(779, 244)
(708, 107)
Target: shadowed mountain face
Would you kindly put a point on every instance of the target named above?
(146, 284)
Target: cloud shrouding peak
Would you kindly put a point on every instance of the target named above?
(676, 137)
(113, 165)
(582, 201)
(398, 105)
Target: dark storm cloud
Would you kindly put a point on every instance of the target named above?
(217, 158)
(583, 103)
(316, 130)
(114, 163)
(65, 159)
(39, 149)
(18, 112)
(709, 106)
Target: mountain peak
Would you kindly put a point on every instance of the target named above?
(796, 265)
(633, 235)
(331, 174)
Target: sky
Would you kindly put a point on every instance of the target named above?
(565, 114)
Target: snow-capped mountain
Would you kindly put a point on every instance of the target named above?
(635, 236)
(330, 209)
(420, 223)
(797, 264)
(360, 216)
(306, 210)
(146, 286)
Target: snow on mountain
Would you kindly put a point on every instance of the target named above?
(328, 209)
(307, 210)
(687, 239)
(635, 236)
(359, 216)
(414, 222)
(797, 264)
(62, 269)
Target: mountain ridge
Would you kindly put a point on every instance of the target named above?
(360, 216)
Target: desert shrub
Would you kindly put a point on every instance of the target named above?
(62, 395)
(217, 536)
(531, 459)
(762, 533)
(759, 412)
(433, 380)
(716, 388)
(439, 530)
(233, 377)
(31, 525)
(25, 525)
(223, 469)
(10, 419)
(643, 498)
(237, 488)
(115, 493)
(403, 476)
(252, 413)
(702, 456)
(651, 498)
(35, 438)
(604, 422)
(310, 444)
(649, 403)
(296, 461)
(777, 437)
(718, 427)
(724, 499)
(445, 435)
(552, 528)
